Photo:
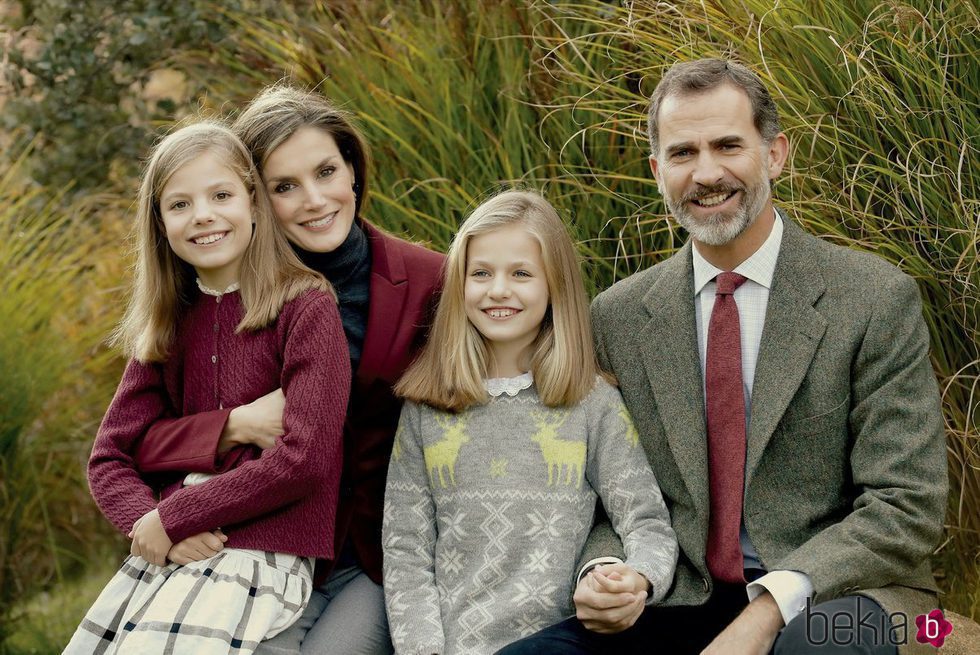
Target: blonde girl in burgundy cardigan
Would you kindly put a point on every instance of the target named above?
(222, 312)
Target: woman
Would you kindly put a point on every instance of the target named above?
(314, 163)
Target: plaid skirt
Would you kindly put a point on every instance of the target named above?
(224, 604)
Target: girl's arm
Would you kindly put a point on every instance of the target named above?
(116, 485)
(307, 459)
(409, 541)
(619, 472)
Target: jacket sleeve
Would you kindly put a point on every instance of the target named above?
(409, 538)
(116, 485)
(619, 472)
(306, 459)
(897, 458)
(187, 444)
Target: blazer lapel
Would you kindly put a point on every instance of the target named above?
(388, 293)
(792, 331)
(670, 356)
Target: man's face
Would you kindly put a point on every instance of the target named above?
(713, 167)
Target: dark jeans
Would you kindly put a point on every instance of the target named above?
(682, 630)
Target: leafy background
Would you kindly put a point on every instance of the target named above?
(879, 99)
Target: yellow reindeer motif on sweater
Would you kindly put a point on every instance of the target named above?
(396, 446)
(443, 453)
(559, 455)
(632, 436)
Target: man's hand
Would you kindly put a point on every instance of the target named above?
(150, 540)
(610, 598)
(752, 632)
(258, 423)
(200, 546)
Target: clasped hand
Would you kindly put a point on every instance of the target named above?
(150, 541)
(610, 598)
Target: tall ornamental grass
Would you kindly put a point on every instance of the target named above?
(49, 331)
(455, 104)
(879, 99)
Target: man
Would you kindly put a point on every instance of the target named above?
(783, 393)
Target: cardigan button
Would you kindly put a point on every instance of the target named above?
(214, 359)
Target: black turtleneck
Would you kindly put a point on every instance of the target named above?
(348, 268)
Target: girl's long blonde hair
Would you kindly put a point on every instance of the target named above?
(271, 274)
(449, 373)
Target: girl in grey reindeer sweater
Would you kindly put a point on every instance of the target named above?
(493, 482)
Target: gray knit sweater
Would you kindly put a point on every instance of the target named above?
(486, 513)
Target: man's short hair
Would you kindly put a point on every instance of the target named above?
(691, 77)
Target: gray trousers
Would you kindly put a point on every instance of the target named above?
(346, 616)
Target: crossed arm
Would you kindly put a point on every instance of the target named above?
(168, 446)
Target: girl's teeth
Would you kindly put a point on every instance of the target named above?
(211, 238)
(501, 313)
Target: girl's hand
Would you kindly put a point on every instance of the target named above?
(611, 598)
(258, 423)
(150, 540)
(200, 546)
(616, 578)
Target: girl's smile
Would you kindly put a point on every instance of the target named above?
(209, 238)
(501, 313)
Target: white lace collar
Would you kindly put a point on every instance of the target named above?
(213, 292)
(510, 386)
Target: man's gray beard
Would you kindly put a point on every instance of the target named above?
(721, 230)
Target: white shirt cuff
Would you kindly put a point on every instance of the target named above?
(790, 590)
(592, 563)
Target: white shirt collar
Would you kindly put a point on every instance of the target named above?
(214, 292)
(510, 386)
(759, 268)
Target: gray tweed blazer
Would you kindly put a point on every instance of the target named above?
(846, 462)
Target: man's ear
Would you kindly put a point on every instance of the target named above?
(655, 169)
(778, 152)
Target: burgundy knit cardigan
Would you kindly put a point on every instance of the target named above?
(283, 499)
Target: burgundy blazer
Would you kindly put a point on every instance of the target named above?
(405, 280)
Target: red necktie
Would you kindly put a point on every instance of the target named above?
(726, 432)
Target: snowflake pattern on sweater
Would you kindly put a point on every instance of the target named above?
(487, 511)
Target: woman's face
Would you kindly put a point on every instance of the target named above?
(311, 188)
